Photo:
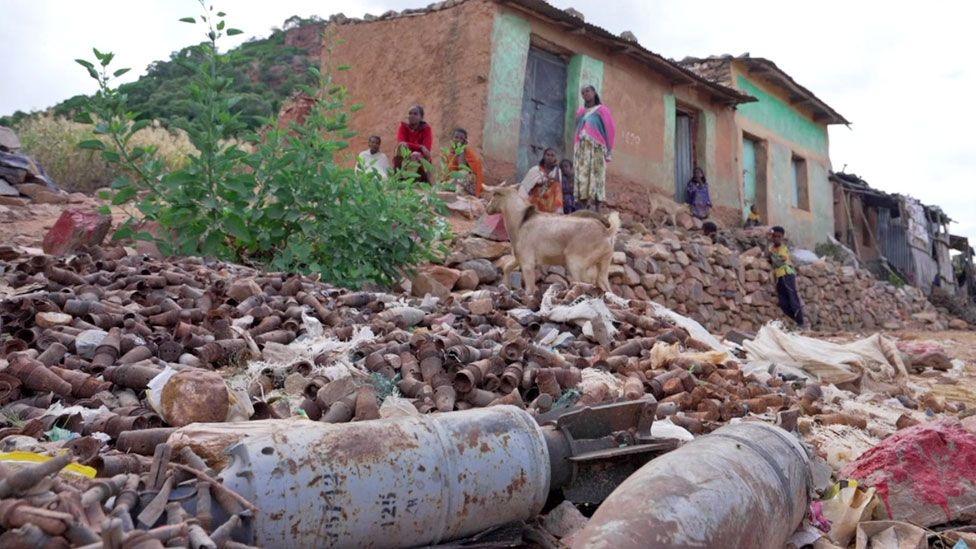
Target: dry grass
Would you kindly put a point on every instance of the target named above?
(53, 142)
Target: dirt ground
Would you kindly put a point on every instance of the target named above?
(27, 225)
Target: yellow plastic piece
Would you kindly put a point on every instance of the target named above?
(31, 457)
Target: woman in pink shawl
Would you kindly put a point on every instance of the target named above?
(592, 147)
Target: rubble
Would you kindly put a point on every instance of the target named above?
(725, 289)
(23, 179)
(87, 340)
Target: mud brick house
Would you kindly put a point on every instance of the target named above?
(783, 148)
(510, 71)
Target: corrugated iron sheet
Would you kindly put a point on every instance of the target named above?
(894, 243)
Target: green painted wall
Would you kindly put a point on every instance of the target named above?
(806, 229)
(509, 52)
(670, 112)
(781, 118)
(581, 71)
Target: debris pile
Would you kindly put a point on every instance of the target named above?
(51, 502)
(724, 289)
(84, 338)
(22, 180)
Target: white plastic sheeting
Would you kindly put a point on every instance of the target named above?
(876, 356)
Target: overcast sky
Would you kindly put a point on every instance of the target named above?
(904, 77)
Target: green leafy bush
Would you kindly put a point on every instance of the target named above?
(283, 202)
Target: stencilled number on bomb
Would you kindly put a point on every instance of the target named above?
(632, 138)
(332, 514)
(388, 509)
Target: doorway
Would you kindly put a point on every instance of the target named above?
(753, 176)
(684, 153)
(543, 108)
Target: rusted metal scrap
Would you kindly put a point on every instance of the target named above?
(83, 337)
(45, 505)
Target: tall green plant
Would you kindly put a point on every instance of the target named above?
(285, 202)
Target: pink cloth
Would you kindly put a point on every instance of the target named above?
(598, 125)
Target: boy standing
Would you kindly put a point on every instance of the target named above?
(785, 273)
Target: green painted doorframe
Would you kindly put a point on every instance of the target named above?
(510, 40)
(582, 71)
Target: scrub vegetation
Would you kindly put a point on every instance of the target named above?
(278, 198)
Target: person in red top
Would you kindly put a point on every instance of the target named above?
(415, 139)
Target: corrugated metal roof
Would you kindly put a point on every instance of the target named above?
(571, 20)
(717, 68)
(671, 69)
(853, 183)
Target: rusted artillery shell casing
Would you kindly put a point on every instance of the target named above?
(221, 350)
(63, 277)
(512, 350)
(445, 397)
(567, 377)
(542, 403)
(341, 411)
(479, 398)
(311, 409)
(840, 418)
(168, 318)
(267, 324)
(633, 388)
(136, 354)
(367, 405)
(512, 399)
(193, 341)
(9, 388)
(53, 354)
(511, 377)
(413, 388)
(169, 350)
(132, 376)
(82, 385)
(109, 465)
(430, 367)
(38, 377)
(144, 441)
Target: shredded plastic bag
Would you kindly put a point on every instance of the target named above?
(394, 406)
(891, 534)
(581, 311)
(843, 506)
(695, 329)
(829, 362)
(663, 428)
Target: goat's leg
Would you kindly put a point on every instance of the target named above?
(528, 275)
(507, 270)
(576, 271)
(603, 276)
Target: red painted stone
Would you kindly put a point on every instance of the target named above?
(924, 474)
(491, 227)
(76, 228)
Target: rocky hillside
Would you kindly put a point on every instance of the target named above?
(265, 72)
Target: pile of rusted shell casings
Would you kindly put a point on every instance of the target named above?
(44, 506)
(82, 338)
(95, 330)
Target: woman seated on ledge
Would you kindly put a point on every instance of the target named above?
(415, 139)
(542, 184)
